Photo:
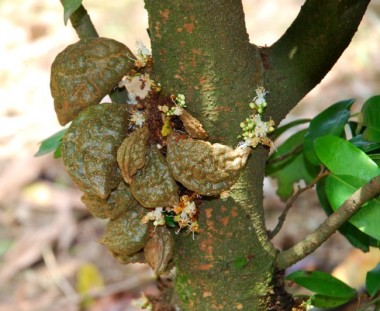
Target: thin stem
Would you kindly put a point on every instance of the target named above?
(367, 305)
(330, 225)
(284, 156)
(289, 204)
(82, 24)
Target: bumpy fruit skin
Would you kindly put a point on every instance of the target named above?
(131, 155)
(207, 169)
(84, 72)
(126, 235)
(159, 250)
(153, 186)
(90, 145)
(120, 200)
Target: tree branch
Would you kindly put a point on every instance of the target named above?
(300, 59)
(289, 204)
(330, 225)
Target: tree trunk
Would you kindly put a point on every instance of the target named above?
(201, 49)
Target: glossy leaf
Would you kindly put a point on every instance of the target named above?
(323, 301)
(322, 283)
(372, 281)
(329, 122)
(292, 169)
(363, 144)
(341, 187)
(69, 7)
(370, 117)
(50, 144)
(343, 158)
(356, 237)
(282, 129)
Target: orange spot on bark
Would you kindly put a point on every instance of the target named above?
(196, 51)
(165, 14)
(189, 27)
(225, 221)
(234, 212)
(158, 30)
(205, 267)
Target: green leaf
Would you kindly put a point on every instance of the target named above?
(70, 6)
(363, 144)
(367, 218)
(280, 130)
(291, 169)
(52, 143)
(169, 221)
(375, 157)
(322, 283)
(329, 122)
(370, 114)
(372, 281)
(357, 238)
(343, 158)
(322, 301)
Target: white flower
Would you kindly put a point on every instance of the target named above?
(142, 49)
(138, 118)
(260, 96)
(190, 208)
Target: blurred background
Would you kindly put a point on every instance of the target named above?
(48, 251)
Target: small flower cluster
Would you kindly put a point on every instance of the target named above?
(255, 130)
(143, 55)
(157, 216)
(137, 85)
(142, 303)
(176, 110)
(185, 215)
(186, 212)
(138, 118)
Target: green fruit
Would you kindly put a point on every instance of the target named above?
(126, 235)
(86, 71)
(207, 169)
(153, 186)
(90, 145)
(112, 207)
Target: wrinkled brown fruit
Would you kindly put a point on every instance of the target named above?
(90, 145)
(131, 155)
(126, 235)
(159, 250)
(86, 71)
(153, 186)
(120, 200)
(192, 126)
(208, 169)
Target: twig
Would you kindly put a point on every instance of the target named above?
(132, 282)
(56, 273)
(370, 303)
(286, 155)
(330, 225)
(289, 204)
